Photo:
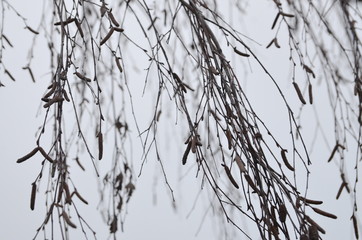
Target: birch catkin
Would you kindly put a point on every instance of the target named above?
(67, 220)
(310, 92)
(285, 160)
(282, 213)
(100, 145)
(324, 213)
(109, 34)
(80, 197)
(299, 93)
(231, 178)
(118, 63)
(33, 195)
(355, 226)
(186, 153)
(29, 155)
(113, 19)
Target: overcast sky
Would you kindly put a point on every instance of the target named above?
(151, 214)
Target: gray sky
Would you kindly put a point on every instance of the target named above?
(22, 114)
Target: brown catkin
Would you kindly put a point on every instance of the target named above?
(310, 92)
(324, 213)
(251, 183)
(285, 160)
(312, 222)
(113, 19)
(79, 26)
(240, 163)
(9, 74)
(118, 29)
(109, 34)
(193, 144)
(229, 138)
(282, 213)
(241, 53)
(65, 95)
(309, 70)
(29, 155)
(60, 193)
(355, 226)
(32, 30)
(81, 76)
(275, 20)
(286, 14)
(186, 153)
(33, 195)
(299, 93)
(50, 211)
(67, 220)
(276, 43)
(271, 42)
(334, 151)
(100, 145)
(118, 63)
(313, 232)
(66, 22)
(68, 196)
(231, 178)
(45, 155)
(304, 237)
(52, 90)
(310, 201)
(80, 197)
(340, 190)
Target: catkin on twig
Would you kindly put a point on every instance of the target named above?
(231, 178)
(112, 18)
(100, 145)
(285, 160)
(286, 14)
(33, 195)
(251, 183)
(32, 30)
(275, 20)
(118, 63)
(355, 226)
(310, 92)
(30, 73)
(67, 220)
(186, 153)
(334, 151)
(45, 155)
(80, 197)
(109, 34)
(324, 213)
(309, 70)
(29, 155)
(313, 232)
(56, 99)
(9, 74)
(282, 213)
(79, 27)
(81, 76)
(340, 190)
(229, 138)
(299, 93)
(240, 163)
(310, 201)
(68, 196)
(241, 53)
(312, 222)
(66, 22)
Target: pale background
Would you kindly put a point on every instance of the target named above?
(20, 118)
